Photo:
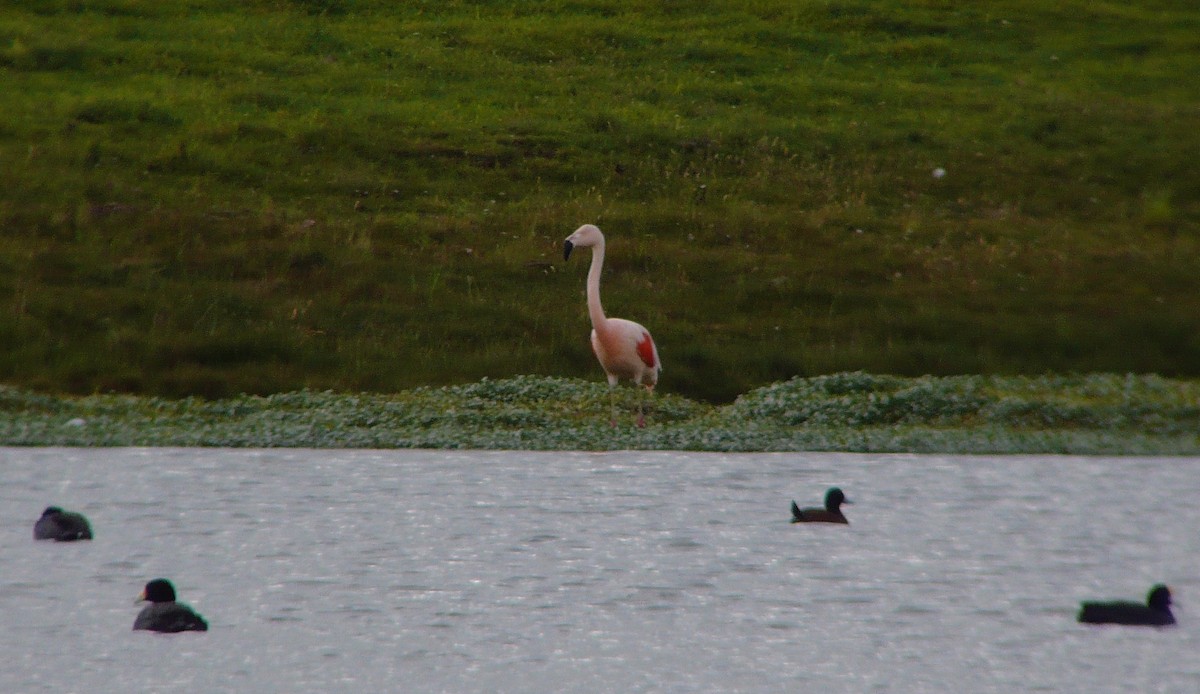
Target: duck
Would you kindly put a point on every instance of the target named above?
(62, 526)
(1155, 613)
(832, 513)
(164, 614)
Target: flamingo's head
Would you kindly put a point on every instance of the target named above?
(585, 236)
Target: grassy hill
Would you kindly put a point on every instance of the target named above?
(213, 197)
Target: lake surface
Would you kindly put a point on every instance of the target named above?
(361, 571)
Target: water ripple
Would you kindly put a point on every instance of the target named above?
(357, 570)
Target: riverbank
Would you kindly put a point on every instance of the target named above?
(1084, 414)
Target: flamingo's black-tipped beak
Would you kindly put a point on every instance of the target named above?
(567, 246)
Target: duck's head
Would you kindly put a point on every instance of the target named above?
(158, 590)
(1159, 597)
(835, 498)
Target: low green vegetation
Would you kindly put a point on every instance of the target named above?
(207, 198)
(1093, 414)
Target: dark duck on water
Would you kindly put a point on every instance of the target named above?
(1155, 612)
(62, 526)
(832, 513)
(164, 614)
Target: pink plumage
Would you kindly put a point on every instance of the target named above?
(624, 348)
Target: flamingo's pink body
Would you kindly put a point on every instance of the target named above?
(625, 349)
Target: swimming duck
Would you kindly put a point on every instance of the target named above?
(1155, 613)
(163, 613)
(832, 513)
(60, 525)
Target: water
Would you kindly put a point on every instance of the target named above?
(364, 571)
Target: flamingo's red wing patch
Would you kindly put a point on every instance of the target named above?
(645, 350)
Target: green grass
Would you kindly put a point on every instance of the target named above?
(1092, 414)
(209, 198)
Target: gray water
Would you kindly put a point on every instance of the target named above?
(363, 571)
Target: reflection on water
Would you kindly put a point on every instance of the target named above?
(641, 571)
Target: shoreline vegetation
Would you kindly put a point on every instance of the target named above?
(303, 197)
(1095, 414)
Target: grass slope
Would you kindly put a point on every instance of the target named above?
(1094, 414)
(212, 197)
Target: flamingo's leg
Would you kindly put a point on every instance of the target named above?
(641, 421)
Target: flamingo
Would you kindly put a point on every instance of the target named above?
(624, 348)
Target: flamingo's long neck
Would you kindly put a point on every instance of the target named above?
(595, 310)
